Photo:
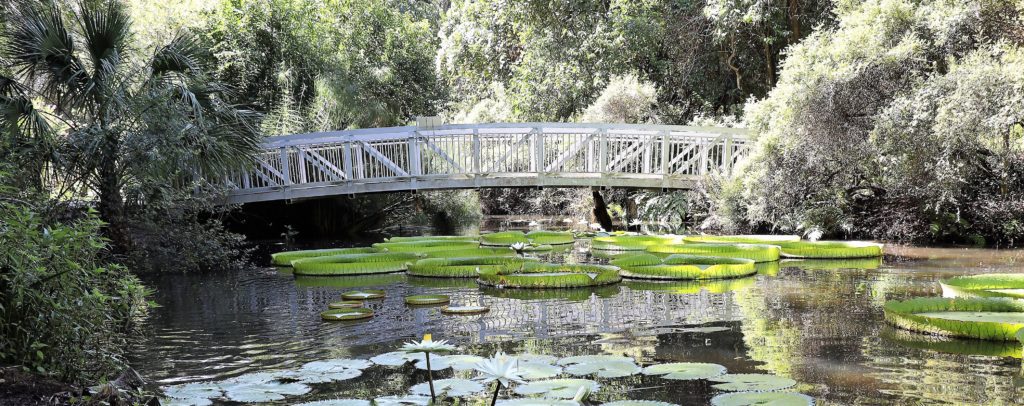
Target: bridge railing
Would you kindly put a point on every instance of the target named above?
(405, 157)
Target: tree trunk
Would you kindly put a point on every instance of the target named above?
(111, 204)
(732, 65)
(601, 212)
(794, 21)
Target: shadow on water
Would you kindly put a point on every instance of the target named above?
(818, 322)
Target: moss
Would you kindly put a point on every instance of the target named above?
(684, 267)
(986, 285)
(756, 252)
(354, 264)
(741, 239)
(906, 314)
(632, 242)
(555, 276)
(285, 258)
(831, 249)
(466, 267)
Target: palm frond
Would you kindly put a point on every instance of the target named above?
(41, 48)
(180, 56)
(106, 31)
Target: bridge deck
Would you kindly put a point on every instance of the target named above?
(487, 155)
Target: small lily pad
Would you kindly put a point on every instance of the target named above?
(638, 403)
(558, 388)
(465, 309)
(537, 402)
(199, 393)
(426, 299)
(685, 370)
(751, 382)
(336, 402)
(458, 362)
(532, 370)
(330, 370)
(395, 358)
(363, 294)
(250, 392)
(345, 304)
(762, 398)
(451, 387)
(605, 366)
(346, 314)
(408, 400)
(542, 358)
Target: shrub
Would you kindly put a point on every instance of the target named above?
(62, 311)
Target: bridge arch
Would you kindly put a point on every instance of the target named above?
(463, 156)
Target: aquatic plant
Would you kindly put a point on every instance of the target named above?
(545, 275)
(501, 369)
(425, 246)
(762, 398)
(465, 309)
(605, 366)
(285, 258)
(985, 318)
(346, 314)
(831, 249)
(504, 238)
(985, 285)
(426, 347)
(685, 370)
(751, 382)
(353, 264)
(568, 294)
(507, 238)
(336, 402)
(771, 239)
(537, 402)
(952, 345)
(419, 300)
(363, 294)
(473, 252)
(465, 267)
(345, 304)
(420, 238)
(632, 242)
(542, 237)
(451, 387)
(684, 267)
(638, 403)
(558, 388)
(329, 370)
(756, 252)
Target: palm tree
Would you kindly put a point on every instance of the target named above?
(89, 112)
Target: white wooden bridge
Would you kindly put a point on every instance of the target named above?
(466, 156)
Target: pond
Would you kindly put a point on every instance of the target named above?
(820, 324)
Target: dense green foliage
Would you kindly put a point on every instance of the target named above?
(903, 122)
(63, 310)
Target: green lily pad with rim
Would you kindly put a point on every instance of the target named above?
(751, 382)
(363, 294)
(345, 304)
(422, 300)
(465, 309)
(685, 370)
(762, 398)
(346, 314)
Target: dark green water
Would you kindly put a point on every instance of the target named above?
(818, 323)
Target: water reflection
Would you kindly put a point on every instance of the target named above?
(819, 323)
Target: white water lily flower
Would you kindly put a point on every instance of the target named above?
(635, 222)
(519, 246)
(501, 368)
(428, 346)
(596, 226)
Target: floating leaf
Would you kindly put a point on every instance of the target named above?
(395, 358)
(751, 382)
(637, 403)
(685, 370)
(558, 388)
(186, 402)
(540, 358)
(408, 400)
(263, 392)
(452, 387)
(346, 314)
(993, 317)
(457, 362)
(605, 366)
(330, 370)
(762, 398)
(198, 393)
(336, 402)
(419, 300)
(465, 309)
(532, 370)
(362, 294)
(537, 402)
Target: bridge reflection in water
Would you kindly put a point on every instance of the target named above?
(486, 155)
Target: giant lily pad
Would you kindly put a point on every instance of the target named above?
(346, 314)
(452, 387)
(685, 370)
(557, 388)
(751, 382)
(336, 402)
(762, 398)
(985, 318)
(419, 300)
(637, 403)
(363, 294)
(345, 304)
(605, 366)
(330, 370)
